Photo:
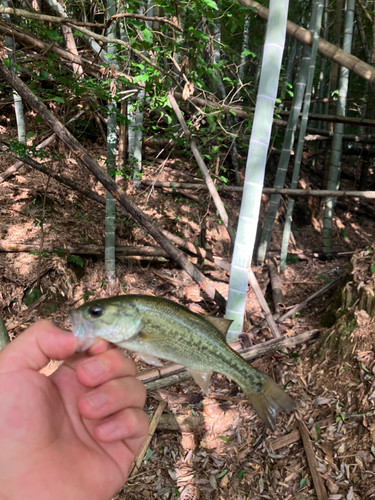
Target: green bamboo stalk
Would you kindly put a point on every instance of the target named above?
(256, 162)
(335, 165)
(288, 142)
(110, 207)
(18, 107)
(316, 23)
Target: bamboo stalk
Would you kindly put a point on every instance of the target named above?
(277, 293)
(322, 193)
(14, 246)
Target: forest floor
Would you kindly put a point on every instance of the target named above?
(229, 454)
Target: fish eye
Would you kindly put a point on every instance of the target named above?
(95, 311)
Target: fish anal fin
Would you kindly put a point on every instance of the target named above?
(203, 379)
(221, 324)
(270, 401)
(149, 359)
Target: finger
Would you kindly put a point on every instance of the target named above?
(36, 346)
(128, 424)
(112, 397)
(99, 346)
(97, 370)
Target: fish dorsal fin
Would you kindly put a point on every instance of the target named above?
(149, 359)
(221, 324)
(203, 379)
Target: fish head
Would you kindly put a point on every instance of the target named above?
(106, 319)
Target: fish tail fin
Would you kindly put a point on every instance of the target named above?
(270, 401)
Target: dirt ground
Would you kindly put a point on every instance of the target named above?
(223, 450)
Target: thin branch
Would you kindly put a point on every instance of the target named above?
(322, 193)
(146, 18)
(134, 468)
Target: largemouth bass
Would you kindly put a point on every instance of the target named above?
(159, 328)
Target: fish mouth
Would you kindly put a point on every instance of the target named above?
(82, 330)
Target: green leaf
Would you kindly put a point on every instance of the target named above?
(373, 269)
(148, 455)
(148, 36)
(225, 438)
(241, 474)
(303, 482)
(211, 4)
(58, 99)
(76, 259)
(222, 474)
(30, 134)
(363, 366)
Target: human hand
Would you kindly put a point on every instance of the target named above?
(72, 435)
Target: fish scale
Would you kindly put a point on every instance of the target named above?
(159, 328)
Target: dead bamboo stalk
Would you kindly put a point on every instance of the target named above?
(14, 246)
(277, 293)
(90, 163)
(172, 373)
(322, 193)
(320, 489)
(134, 468)
(202, 166)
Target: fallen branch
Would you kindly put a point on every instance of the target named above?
(111, 186)
(322, 193)
(14, 246)
(172, 373)
(182, 423)
(320, 489)
(134, 468)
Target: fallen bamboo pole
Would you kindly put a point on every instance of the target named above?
(172, 373)
(320, 488)
(134, 468)
(15, 246)
(284, 191)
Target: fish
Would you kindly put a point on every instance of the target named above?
(160, 328)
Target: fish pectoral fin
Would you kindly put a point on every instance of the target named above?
(149, 359)
(203, 379)
(221, 324)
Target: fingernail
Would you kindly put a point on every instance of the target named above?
(97, 399)
(107, 428)
(93, 368)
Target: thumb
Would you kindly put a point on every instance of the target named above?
(36, 346)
